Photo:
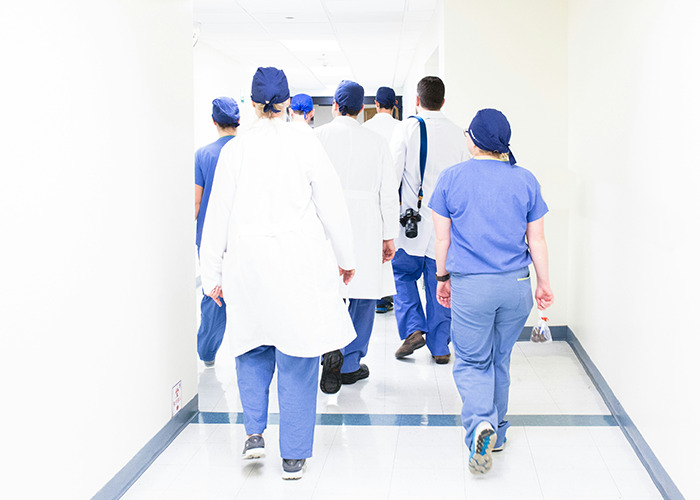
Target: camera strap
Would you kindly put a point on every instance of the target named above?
(423, 157)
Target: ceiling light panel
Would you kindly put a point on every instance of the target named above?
(366, 7)
(258, 6)
(422, 5)
(301, 30)
(328, 45)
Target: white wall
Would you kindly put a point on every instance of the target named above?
(511, 55)
(633, 135)
(216, 75)
(96, 297)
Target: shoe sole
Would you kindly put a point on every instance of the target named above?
(286, 475)
(350, 381)
(415, 347)
(254, 453)
(330, 377)
(292, 475)
(481, 463)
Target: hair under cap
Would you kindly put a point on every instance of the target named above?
(302, 102)
(386, 97)
(269, 87)
(349, 96)
(225, 111)
(490, 131)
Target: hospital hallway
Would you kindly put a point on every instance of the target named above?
(103, 394)
(398, 435)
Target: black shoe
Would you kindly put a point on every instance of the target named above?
(352, 377)
(330, 377)
(385, 304)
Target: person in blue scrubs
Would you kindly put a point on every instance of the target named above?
(226, 118)
(489, 224)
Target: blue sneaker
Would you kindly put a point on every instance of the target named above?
(480, 460)
(500, 448)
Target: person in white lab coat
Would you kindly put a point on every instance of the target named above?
(276, 235)
(384, 124)
(415, 256)
(363, 162)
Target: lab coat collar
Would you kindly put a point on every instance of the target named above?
(348, 121)
(426, 113)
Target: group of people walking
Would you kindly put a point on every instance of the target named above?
(306, 229)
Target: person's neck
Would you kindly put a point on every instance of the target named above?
(384, 111)
(223, 132)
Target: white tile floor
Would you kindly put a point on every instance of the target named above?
(407, 462)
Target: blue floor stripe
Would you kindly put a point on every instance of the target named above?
(359, 419)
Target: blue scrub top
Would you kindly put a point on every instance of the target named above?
(490, 203)
(205, 160)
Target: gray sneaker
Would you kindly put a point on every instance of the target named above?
(254, 447)
(293, 468)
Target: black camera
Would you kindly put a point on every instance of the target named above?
(409, 220)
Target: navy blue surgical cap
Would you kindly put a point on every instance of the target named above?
(386, 97)
(349, 96)
(225, 111)
(302, 102)
(490, 131)
(269, 87)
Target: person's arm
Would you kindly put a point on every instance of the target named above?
(443, 226)
(540, 260)
(198, 191)
(388, 204)
(215, 230)
(331, 209)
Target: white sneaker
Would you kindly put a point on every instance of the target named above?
(484, 439)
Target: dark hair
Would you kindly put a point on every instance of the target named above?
(351, 112)
(381, 106)
(227, 125)
(431, 92)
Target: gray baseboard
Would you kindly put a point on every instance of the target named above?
(126, 477)
(656, 471)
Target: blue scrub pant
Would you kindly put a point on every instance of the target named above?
(488, 314)
(211, 329)
(297, 386)
(362, 312)
(407, 304)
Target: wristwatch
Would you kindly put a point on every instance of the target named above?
(444, 277)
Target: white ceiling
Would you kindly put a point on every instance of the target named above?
(318, 43)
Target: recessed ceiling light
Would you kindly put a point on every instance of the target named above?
(289, 17)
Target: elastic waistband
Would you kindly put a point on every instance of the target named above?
(523, 272)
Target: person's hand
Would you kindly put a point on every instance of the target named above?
(444, 293)
(388, 250)
(347, 275)
(215, 294)
(543, 296)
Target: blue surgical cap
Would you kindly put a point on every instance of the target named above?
(490, 131)
(302, 102)
(386, 97)
(225, 111)
(269, 87)
(349, 96)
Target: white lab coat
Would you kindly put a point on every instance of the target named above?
(276, 230)
(383, 124)
(363, 162)
(447, 146)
